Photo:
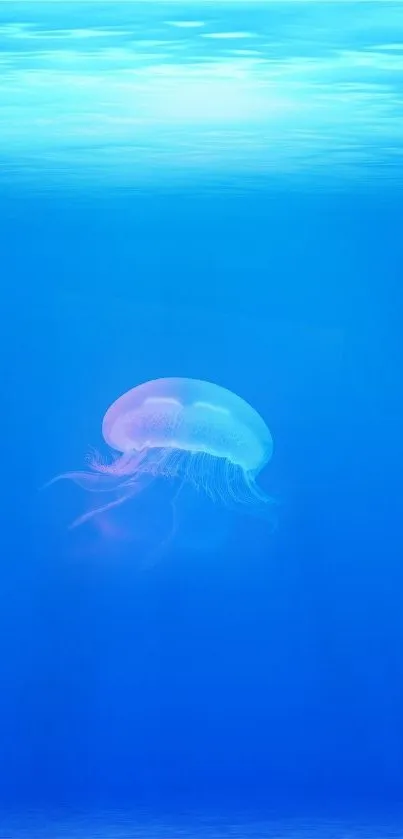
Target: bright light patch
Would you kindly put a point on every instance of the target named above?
(216, 408)
(162, 400)
(228, 36)
(186, 24)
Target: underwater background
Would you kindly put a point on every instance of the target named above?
(208, 190)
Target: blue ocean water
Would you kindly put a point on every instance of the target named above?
(207, 190)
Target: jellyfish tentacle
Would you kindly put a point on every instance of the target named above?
(127, 491)
(93, 482)
(125, 465)
(105, 477)
(98, 510)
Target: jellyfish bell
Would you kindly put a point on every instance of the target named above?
(186, 429)
(191, 415)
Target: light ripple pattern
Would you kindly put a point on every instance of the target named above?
(132, 89)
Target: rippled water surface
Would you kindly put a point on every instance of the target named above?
(133, 88)
(128, 826)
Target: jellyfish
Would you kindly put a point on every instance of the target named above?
(178, 428)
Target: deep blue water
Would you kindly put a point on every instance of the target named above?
(248, 681)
